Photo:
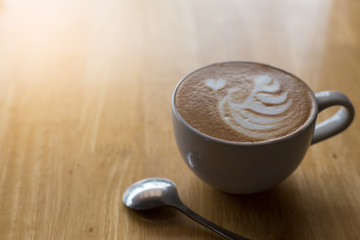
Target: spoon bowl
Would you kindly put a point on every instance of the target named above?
(150, 193)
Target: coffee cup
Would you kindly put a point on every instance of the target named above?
(244, 127)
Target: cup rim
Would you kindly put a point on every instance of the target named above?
(303, 128)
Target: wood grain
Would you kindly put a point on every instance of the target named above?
(85, 91)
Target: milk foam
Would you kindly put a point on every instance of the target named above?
(261, 114)
(244, 102)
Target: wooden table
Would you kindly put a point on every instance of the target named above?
(85, 91)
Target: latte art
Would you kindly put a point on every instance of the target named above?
(261, 114)
(244, 102)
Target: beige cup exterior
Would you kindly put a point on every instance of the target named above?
(245, 168)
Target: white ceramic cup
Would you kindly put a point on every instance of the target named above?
(245, 168)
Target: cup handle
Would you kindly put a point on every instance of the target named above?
(336, 123)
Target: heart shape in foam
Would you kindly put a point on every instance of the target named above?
(215, 84)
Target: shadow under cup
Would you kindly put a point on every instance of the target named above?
(246, 168)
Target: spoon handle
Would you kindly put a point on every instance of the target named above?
(223, 232)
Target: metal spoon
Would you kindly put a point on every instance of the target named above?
(151, 193)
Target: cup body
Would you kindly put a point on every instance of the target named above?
(242, 168)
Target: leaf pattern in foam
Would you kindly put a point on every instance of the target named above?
(264, 110)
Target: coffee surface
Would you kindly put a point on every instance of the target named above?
(244, 102)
